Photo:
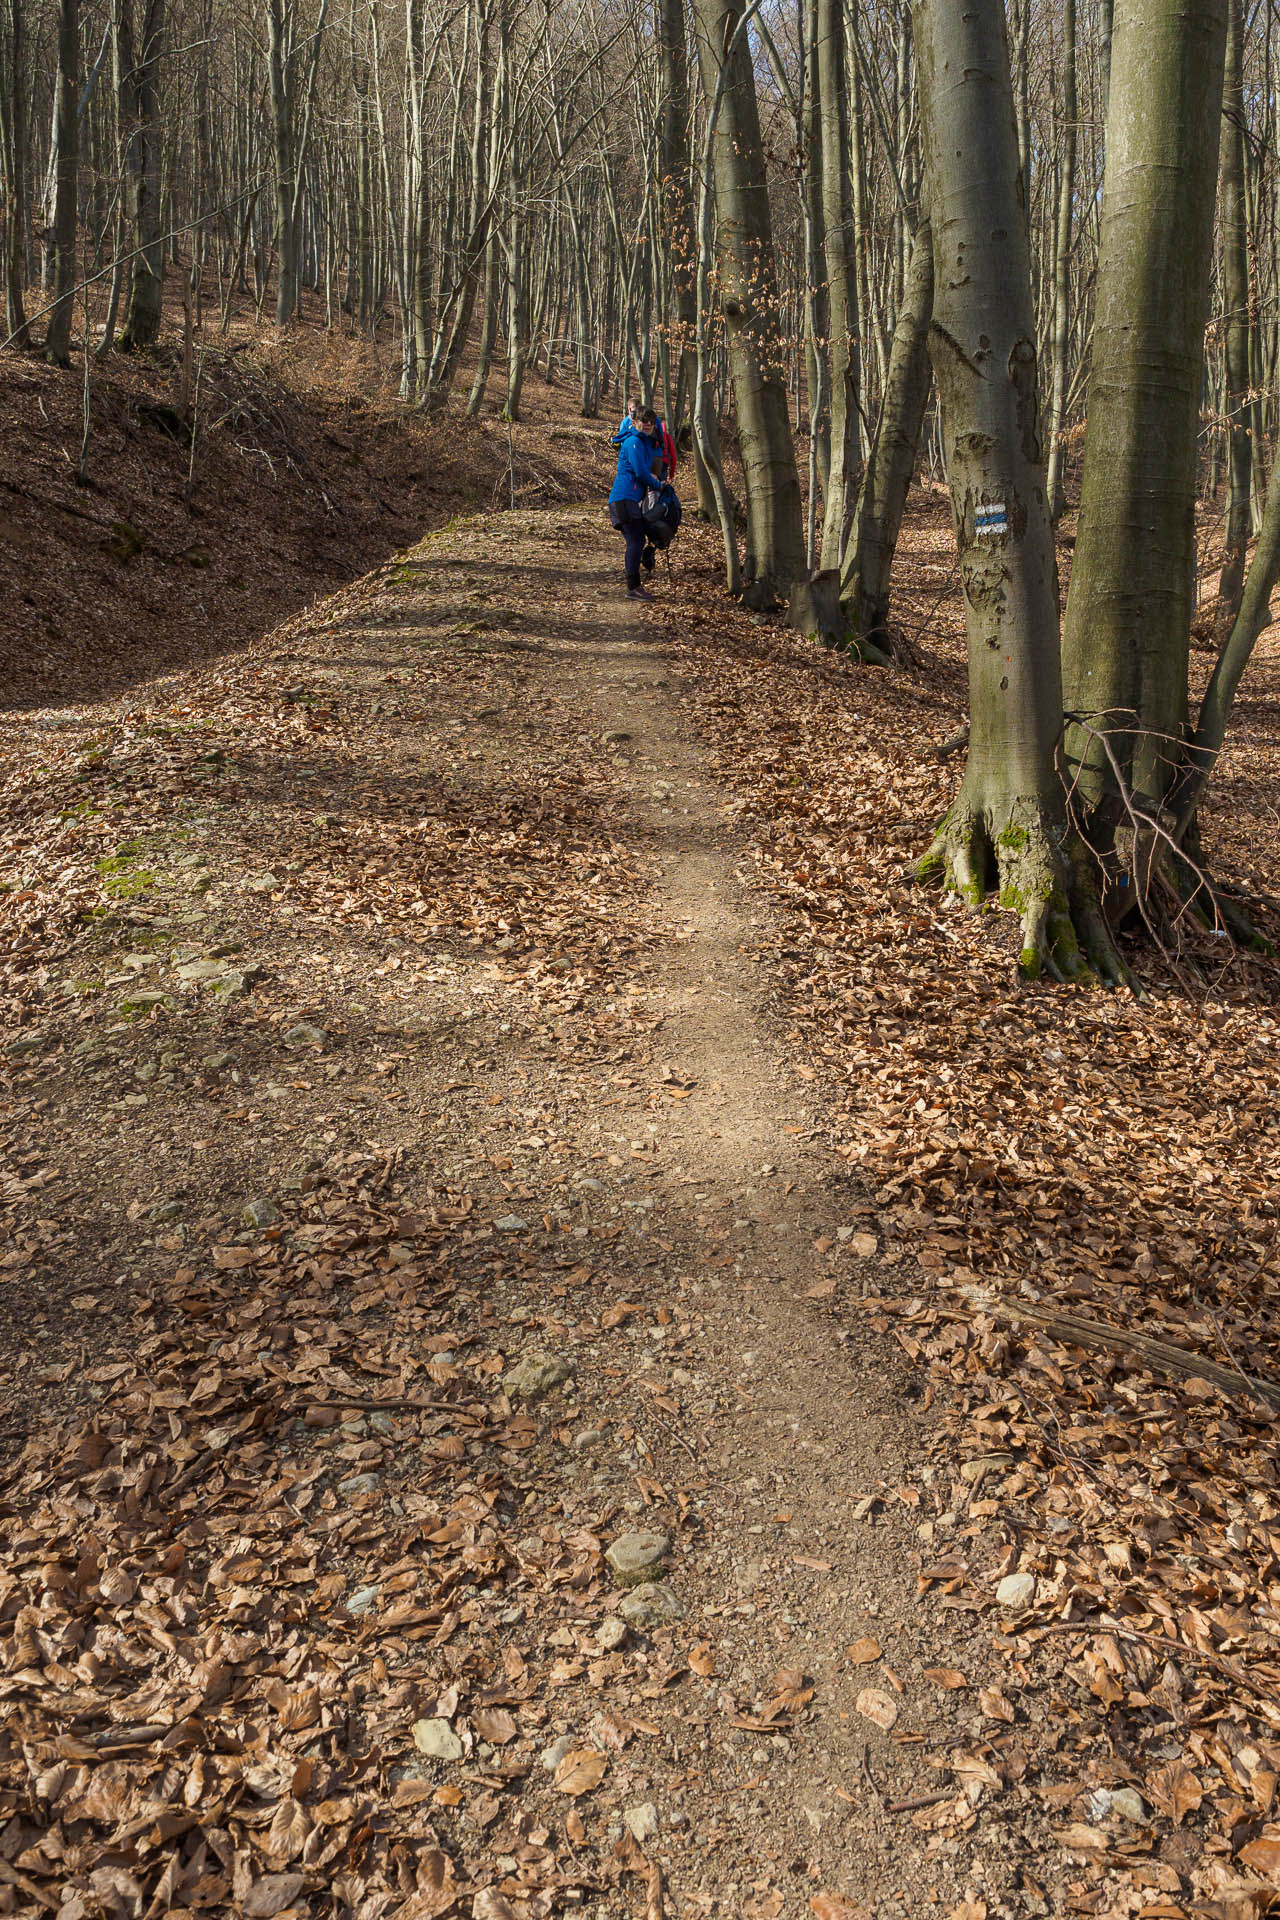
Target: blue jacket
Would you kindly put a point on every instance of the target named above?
(637, 457)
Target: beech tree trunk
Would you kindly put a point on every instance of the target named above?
(882, 499)
(140, 115)
(1127, 639)
(57, 344)
(749, 303)
(1236, 303)
(1007, 827)
(841, 287)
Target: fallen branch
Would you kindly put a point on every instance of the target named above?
(1160, 1356)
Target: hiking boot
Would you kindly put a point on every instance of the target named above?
(639, 593)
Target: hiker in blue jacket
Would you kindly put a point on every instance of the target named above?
(639, 468)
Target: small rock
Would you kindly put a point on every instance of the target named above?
(305, 1035)
(611, 1633)
(261, 883)
(511, 1223)
(28, 1043)
(589, 1437)
(642, 1821)
(216, 1062)
(261, 1213)
(651, 1606)
(363, 1600)
(437, 1739)
(975, 1471)
(358, 1483)
(551, 1756)
(200, 972)
(536, 1373)
(636, 1557)
(1129, 1804)
(145, 1002)
(165, 1211)
(228, 986)
(614, 737)
(1016, 1590)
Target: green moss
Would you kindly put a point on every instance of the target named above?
(127, 886)
(1014, 838)
(1030, 963)
(122, 878)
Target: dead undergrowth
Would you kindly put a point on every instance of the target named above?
(339, 1089)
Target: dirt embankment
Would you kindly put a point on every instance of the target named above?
(186, 526)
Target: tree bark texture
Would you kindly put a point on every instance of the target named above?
(1008, 823)
(1129, 611)
(748, 302)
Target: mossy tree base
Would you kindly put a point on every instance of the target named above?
(1012, 854)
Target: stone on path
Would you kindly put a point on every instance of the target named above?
(611, 1633)
(651, 1606)
(437, 1739)
(642, 1821)
(305, 1035)
(536, 1373)
(1016, 1590)
(637, 1557)
(261, 1213)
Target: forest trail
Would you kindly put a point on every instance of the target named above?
(447, 1032)
(616, 1176)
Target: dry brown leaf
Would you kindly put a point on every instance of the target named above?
(580, 1771)
(495, 1725)
(272, 1894)
(946, 1677)
(1175, 1790)
(574, 1827)
(994, 1705)
(489, 1904)
(702, 1660)
(864, 1651)
(1263, 1856)
(836, 1906)
(288, 1831)
(874, 1705)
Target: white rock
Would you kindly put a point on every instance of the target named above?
(642, 1821)
(1016, 1590)
(437, 1739)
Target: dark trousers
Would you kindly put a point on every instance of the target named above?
(626, 517)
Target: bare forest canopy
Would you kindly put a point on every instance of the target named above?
(1031, 243)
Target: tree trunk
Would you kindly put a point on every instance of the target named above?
(1061, 334)
(13, 151)
(57, 344)
(140, 113)
(1127, 638)
(1235, 300)
(1007, 825)
(868, 562)
(841, 287)
(282, 129)
(748, 302)
(677, 222)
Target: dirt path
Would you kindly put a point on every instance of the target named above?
(452, 1074)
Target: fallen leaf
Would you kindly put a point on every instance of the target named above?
(702, 1660)
(864, 1651)
(495, 1725)
(872, 1704)
(835, 1906)
(272, 1895)
(1175, 1790)
(946, 1677)
(994, 1704)
(580, 1771)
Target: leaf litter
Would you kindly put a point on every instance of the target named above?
(289, 1514)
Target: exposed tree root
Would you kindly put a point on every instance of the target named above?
(1012, 854)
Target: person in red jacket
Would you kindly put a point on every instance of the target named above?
(627, 425)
